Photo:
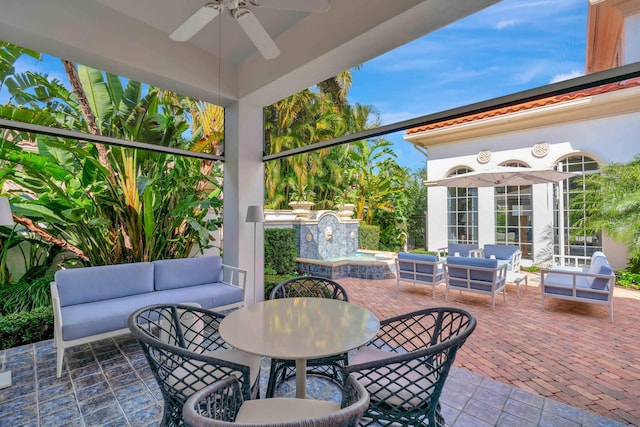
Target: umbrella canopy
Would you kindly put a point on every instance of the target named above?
(502, 176)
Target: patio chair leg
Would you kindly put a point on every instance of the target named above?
(59, 360)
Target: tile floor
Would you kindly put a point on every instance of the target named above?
(108, 383)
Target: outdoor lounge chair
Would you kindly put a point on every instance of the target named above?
(593, 284)
(186, 353)
(222, 404)
(404, 367)
(328, 367)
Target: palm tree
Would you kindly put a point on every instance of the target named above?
(613, 206)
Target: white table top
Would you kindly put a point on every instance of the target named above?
(299, 328)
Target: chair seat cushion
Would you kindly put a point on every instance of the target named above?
(280, 410)
(369, 354)
(406, 384)
(191, 373)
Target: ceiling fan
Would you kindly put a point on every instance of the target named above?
(240, 11)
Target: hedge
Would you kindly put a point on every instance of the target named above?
(280, 250)
(26, 327)
(369, 237)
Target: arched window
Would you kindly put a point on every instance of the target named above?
(514, 214)
(569, 237)
(462, 204)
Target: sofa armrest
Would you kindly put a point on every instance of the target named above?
(57, 314)
(234, 276)
(443, 252)
(515, 260)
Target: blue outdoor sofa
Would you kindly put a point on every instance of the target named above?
(93, 303)
(593, 284)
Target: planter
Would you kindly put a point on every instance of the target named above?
(346, 210)
(301, 209)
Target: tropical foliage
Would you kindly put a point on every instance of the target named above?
(613, 206)
(365, 172)
(109, 205)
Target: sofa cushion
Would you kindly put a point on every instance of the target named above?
(500, 251)
(93, 318)
(599, 266)
(562, 284)
(179, 273)
(486, 276)
(460, 248)
(90, 284)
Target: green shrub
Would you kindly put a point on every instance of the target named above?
(628, 279)
(26, 327)
(423, 251)
(531, 268)
(280, 250)
(368, 237)
(271, 280)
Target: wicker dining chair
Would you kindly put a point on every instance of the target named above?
(186, 353)
(405, 366)
(328, 367)
(222, 404)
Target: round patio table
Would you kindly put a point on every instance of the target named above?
(299, 329)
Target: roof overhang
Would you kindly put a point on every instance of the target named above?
(131, 39)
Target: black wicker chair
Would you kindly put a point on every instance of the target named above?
(222, 404)
(186, 353)
(405, 366)
(329, 367)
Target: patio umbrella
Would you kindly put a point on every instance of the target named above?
(502, 176)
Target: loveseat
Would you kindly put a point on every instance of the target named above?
(593, 284)
(504, 254)
(477, 275)
(423, 269)
(93, 303)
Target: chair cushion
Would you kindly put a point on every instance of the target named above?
(369, 354)
(281, 409)
(179, 273)
(500, 251)
(190, 372)
(399, 384)
(89, 284)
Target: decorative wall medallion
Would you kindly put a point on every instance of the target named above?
(484, 156)
(309, 237)
(540, 149)
(352, 235)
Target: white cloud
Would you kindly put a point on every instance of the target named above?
(566, 76)
(506, 23)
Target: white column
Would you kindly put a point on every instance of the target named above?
(243, 187)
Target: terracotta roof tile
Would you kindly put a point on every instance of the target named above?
(583, 93)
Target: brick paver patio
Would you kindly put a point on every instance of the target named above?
(571, 352)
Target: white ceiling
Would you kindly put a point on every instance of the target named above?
(131, 38)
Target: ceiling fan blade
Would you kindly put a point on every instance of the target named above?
(256, 32)
(303, 5)
(196, 22)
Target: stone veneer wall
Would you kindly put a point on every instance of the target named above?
(338, 270)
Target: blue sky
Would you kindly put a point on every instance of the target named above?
(509, 47)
